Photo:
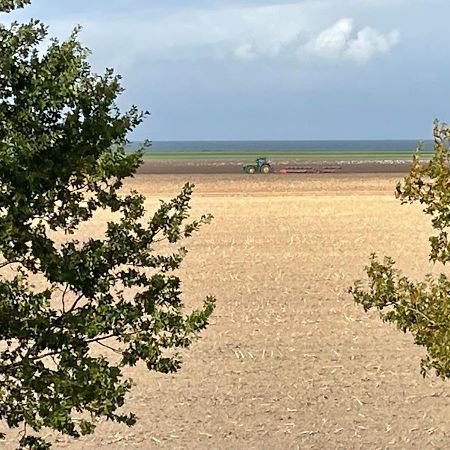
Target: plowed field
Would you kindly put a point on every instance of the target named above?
(289, 361)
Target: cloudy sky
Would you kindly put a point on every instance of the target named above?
(249, 69)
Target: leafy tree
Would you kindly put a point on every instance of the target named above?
(421, 308)
(62, 158)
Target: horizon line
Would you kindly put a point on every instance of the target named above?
(284, 140)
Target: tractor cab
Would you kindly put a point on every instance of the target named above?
(261, 165)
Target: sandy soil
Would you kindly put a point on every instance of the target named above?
(289, 361)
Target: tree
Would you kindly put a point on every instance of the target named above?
(421, 308)
(62, 158)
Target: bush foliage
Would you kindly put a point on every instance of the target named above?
(421, 308)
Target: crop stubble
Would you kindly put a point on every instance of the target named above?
(288, 360)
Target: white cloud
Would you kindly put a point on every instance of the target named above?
(337, 42)
(368, 42)
(332, 41)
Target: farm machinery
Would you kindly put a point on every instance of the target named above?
(308, 170)
(262, 165)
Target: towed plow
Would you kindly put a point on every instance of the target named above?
(262, 165)
(308, 170)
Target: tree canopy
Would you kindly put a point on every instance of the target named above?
(62, 159)
(421, 308)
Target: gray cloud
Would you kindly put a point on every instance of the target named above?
(339, 41)
(249, 69)
(293, 32)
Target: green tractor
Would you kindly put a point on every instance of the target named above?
(261, 165)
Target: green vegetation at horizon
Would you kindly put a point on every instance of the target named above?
(251, 155)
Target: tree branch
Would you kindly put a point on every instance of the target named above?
(431, 321)
(75, 303)
(62, 298)
(54, 353)
(6, 263)
(115, 350)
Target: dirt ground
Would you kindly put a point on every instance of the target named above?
(289, 361)
(229, 165)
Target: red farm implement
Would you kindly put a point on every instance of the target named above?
(308, 170)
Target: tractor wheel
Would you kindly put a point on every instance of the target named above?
(250, 170)
(265, 168)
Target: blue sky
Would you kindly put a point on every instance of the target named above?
(311, 69)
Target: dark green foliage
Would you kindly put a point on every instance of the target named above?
(421, 308)
(9, 5)
(62, 158)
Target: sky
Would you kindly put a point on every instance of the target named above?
(269, 70)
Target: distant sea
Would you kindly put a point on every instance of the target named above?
(273, 147)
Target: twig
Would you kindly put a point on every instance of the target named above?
(23, 432)
(432, 322)
(6, 263)
(62, 298)
(115, 350)
(57, 352)
(75, 303)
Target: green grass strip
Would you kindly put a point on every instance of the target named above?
(249, 156)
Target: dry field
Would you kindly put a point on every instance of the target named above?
(289, 361)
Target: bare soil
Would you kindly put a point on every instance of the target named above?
(289, 361)
(222, 166)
